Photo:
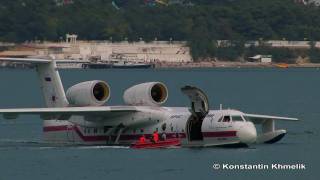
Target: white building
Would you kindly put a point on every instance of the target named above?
(156, 51)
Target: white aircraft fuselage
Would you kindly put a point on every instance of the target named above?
(174, 122)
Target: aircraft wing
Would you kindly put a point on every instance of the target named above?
(259, 119)
(66, 112)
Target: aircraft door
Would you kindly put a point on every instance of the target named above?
(199, 109)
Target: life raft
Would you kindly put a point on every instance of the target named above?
(174, 142)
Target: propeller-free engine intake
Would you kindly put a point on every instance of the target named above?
(89, 93)
(146, 94)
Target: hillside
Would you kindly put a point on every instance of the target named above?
(200, 22)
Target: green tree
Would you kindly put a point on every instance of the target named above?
(314, 53)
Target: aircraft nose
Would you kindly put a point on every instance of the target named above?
(247, 133)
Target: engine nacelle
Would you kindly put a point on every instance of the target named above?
(89, 93)
(146, 94)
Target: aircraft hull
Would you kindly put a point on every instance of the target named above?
(66, 132)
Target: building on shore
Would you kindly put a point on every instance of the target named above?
(272, 44)
(156, 51)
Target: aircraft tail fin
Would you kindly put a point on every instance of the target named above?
(50, 81)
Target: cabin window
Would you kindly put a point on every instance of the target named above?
(141, 130)
(163, 126)
(237, 118)
(134, 131)
(171, 128)
(95, 130)
(48, 79)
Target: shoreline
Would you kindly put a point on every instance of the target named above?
(189, 65)
(221, 64)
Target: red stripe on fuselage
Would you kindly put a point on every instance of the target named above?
(131, 136)
(89, 138)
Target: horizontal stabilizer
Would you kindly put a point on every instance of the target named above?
(259, 119)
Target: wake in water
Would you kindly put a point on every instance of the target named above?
(6, 144)
(100, 147)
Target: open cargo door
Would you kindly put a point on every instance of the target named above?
(199, 110)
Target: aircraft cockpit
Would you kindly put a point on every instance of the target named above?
(233, 118)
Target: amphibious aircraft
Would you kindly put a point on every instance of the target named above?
(79, 116)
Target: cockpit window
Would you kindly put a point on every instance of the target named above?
(226, 119)
(246, 118)
(237, 118)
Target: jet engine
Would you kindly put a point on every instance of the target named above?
(146, 94)
(89, 93)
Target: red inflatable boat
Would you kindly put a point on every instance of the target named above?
(175, 142)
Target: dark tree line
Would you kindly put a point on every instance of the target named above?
(200, 24)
